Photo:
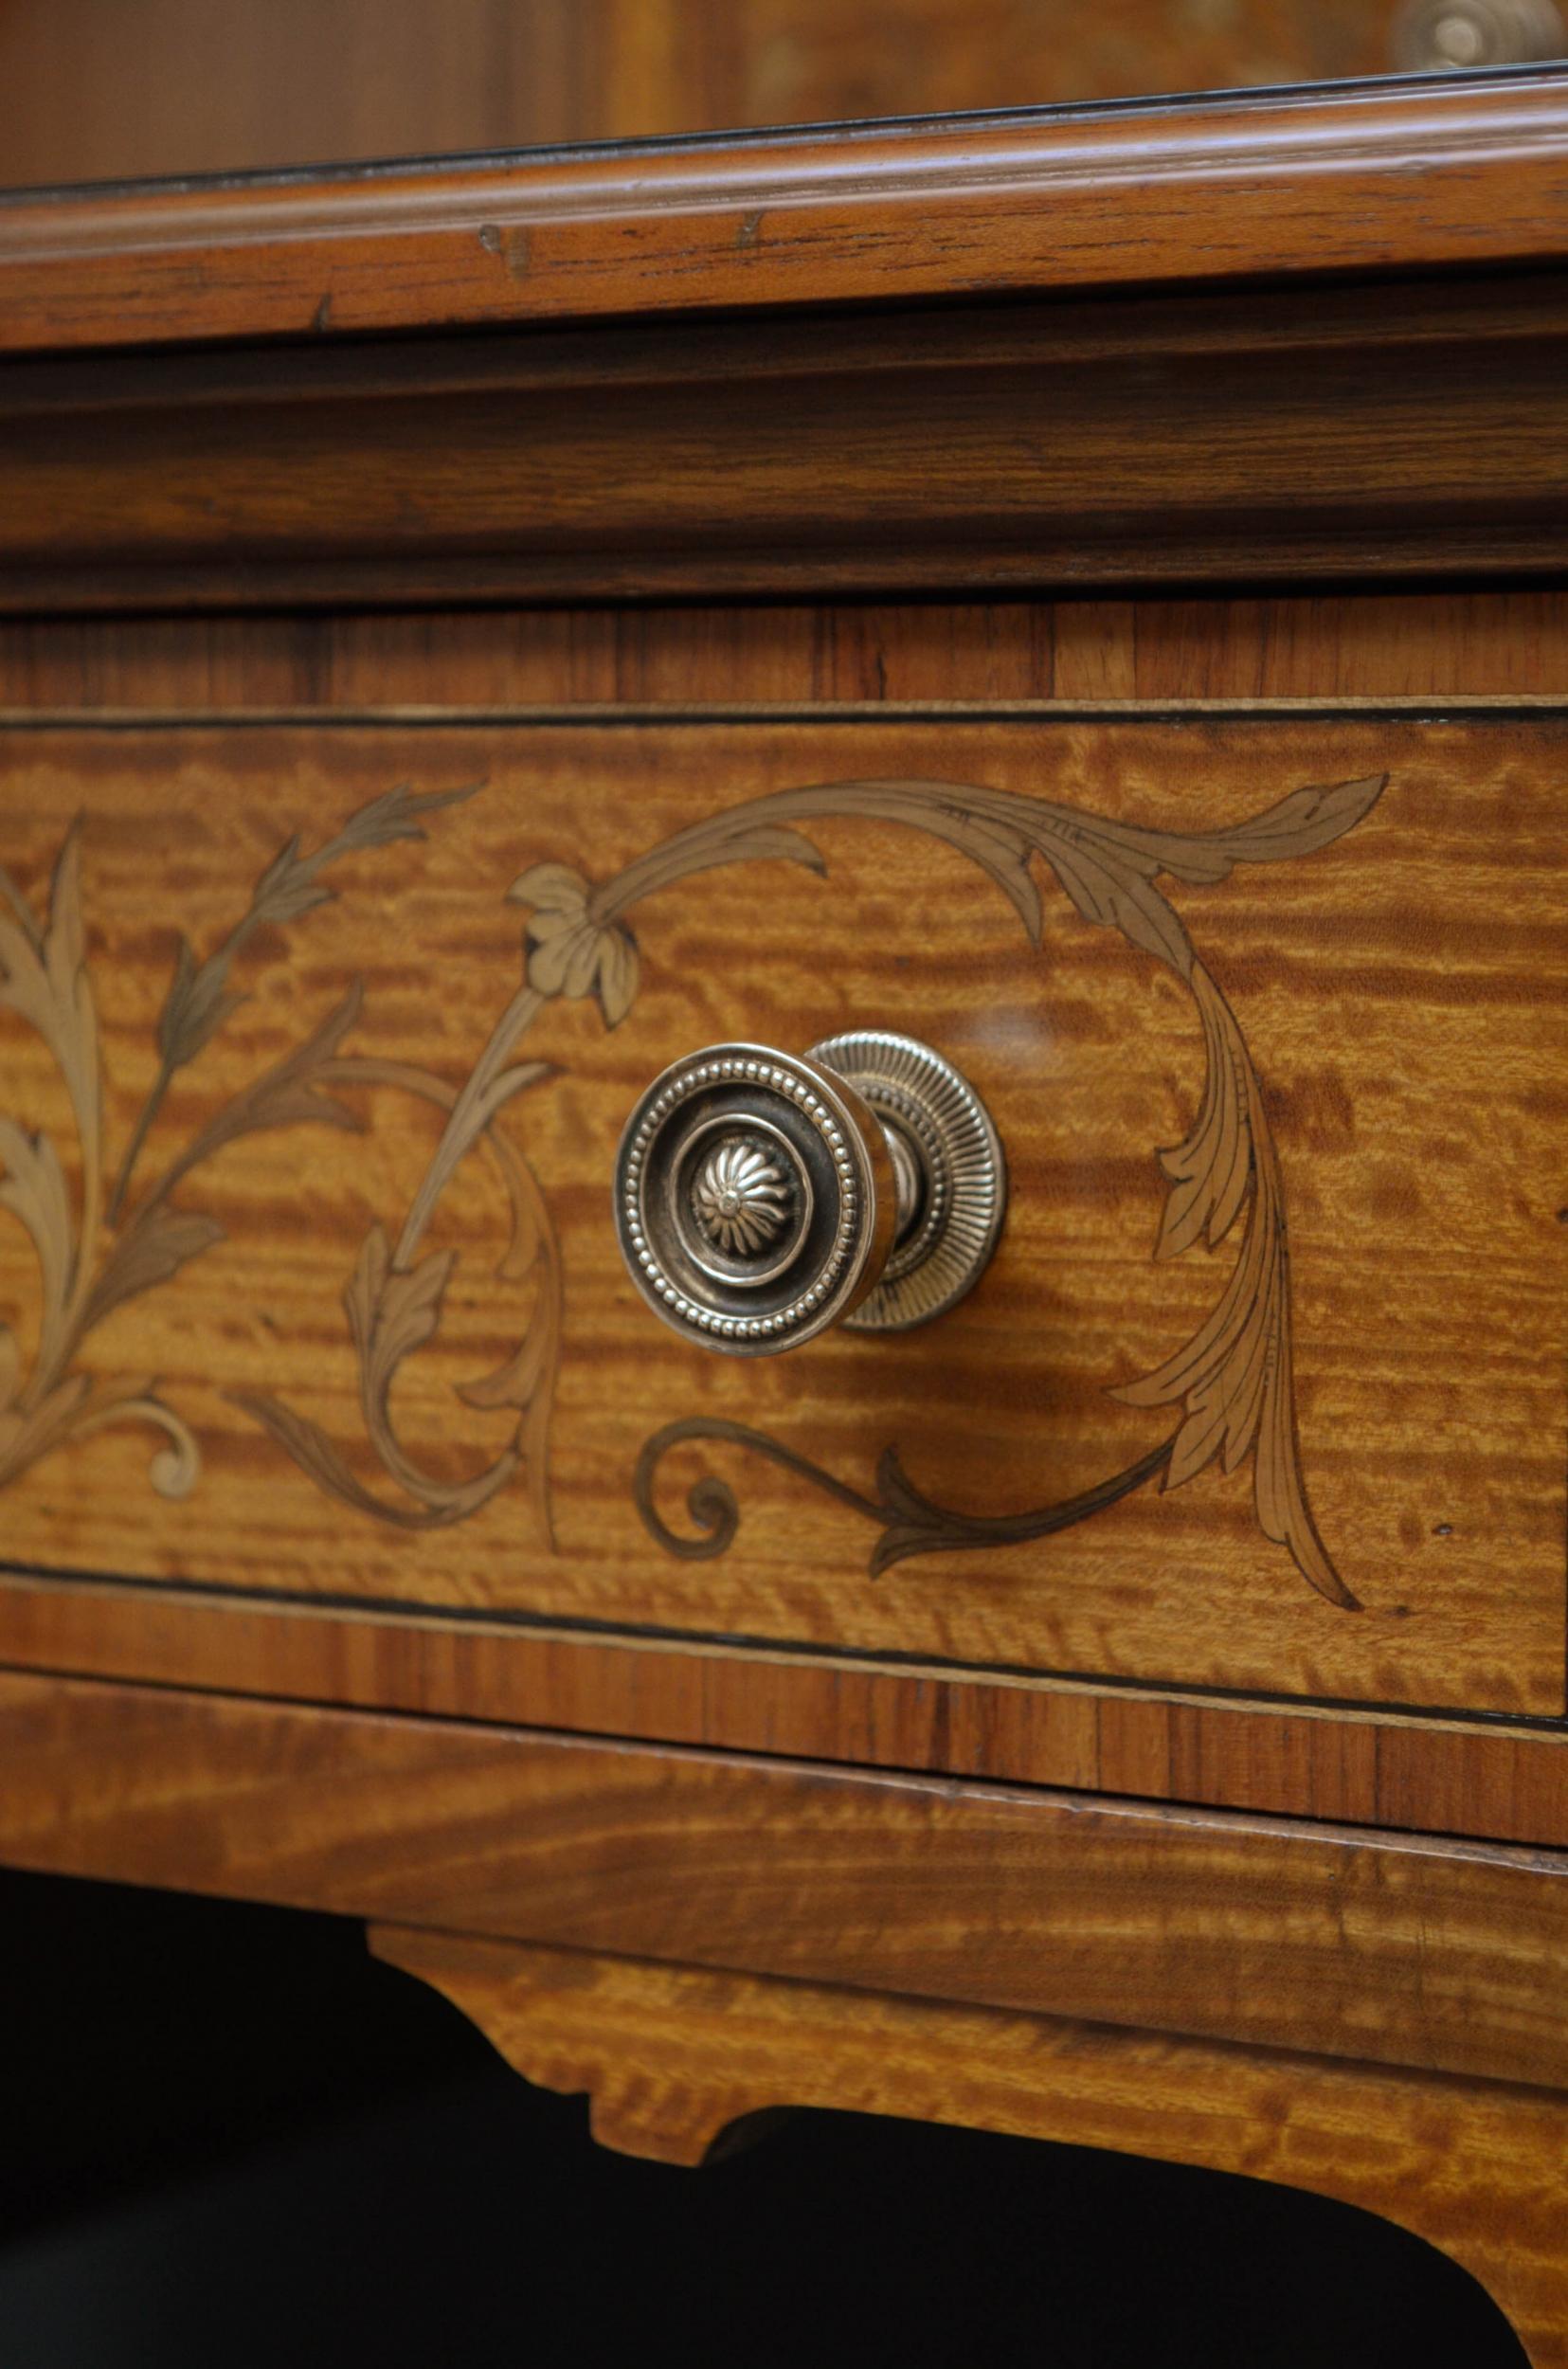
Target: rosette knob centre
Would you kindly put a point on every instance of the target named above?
(743, 1196)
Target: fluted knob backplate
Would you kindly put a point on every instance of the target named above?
(936, 1122)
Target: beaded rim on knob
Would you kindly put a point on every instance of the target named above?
(761, 1197)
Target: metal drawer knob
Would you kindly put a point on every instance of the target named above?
(761, 1196)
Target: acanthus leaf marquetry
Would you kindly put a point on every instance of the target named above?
(1188, 802)
(1232, 1380)
(44, 980)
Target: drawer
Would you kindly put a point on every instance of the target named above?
(316, 1044)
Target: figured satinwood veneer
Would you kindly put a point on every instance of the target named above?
(447, 1551)
(1334, 1941)
(675, 2061)
(1277, 1409)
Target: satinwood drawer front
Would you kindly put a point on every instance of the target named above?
(316, 1044)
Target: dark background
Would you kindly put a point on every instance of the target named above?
(233, 2140)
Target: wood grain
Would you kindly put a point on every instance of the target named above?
(844, 379)
(1361, 430)
(1426, 1775)
(1436, 1776)
(672, 2058)
(1458, 172)
(1430, 1437)
(1326, 647)
(1332, 1941)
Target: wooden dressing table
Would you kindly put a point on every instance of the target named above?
(759, 1589)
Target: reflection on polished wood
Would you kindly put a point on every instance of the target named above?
(1134, 198)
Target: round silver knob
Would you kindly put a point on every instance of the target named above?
(761, 1196)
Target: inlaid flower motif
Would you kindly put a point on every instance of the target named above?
(569, 950)
(741, 1196)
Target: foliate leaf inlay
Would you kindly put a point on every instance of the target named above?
(1231, 1386)
(96, 1253)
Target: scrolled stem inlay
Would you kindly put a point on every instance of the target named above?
(1232, 1382)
